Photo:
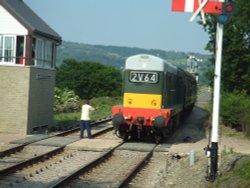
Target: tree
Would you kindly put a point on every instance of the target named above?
(236, 47)
(89, 79)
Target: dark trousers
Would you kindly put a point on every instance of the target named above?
(85, 125)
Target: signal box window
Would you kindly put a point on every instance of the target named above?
(7, 49)
(11, 49)
(1, 48)
(42, 53)
(20, 50)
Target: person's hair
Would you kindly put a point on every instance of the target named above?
(85, 101)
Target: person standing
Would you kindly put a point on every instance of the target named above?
(85, 119)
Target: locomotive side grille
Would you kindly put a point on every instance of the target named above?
(138, 100)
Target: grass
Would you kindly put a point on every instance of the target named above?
(103, 105)
(238, 177)
(66, 117)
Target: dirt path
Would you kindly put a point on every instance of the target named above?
(192, 136)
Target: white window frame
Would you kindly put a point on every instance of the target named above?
(13, 58)
(1, 48)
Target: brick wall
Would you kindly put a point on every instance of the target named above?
(41, 98)
(26, 98)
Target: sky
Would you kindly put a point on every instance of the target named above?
(148, 24)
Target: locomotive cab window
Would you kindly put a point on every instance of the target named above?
(143, 77)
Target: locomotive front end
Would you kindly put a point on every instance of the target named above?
(143, 87)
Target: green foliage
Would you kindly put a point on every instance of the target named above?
(116, 56)
(236, 48)
(112, 55)
(238, 177)
(67, 119)
(235, 111)
(244, 171)
(66, 101)
(89, 79)
(103, 105)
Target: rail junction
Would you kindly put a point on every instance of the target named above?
(64, 160)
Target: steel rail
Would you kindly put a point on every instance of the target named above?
(30, 161)
(135, 170)
(33, 160)
(85, 168)
(96, 162)
(11, 150)
(65, 133)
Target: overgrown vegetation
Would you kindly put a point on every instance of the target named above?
(103, 105)
(89, 79)
(76, 81)
(66, 101)
(236, 48)
(235, 111)
(238, 176)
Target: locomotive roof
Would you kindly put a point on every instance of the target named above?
(148, 62)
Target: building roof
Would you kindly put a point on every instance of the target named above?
(29, 19)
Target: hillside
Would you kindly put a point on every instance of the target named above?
(115, 56)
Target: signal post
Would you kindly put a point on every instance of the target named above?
(224, 11)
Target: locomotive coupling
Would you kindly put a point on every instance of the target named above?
(140, 120)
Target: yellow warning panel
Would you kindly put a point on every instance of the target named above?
(138, 100)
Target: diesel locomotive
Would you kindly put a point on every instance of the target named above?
(155, 95)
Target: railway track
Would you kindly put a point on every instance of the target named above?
(66, 166)
(115, 169)
(82, 168)
(19, 147)
(48, 172)
(71, 166)
(30, 152)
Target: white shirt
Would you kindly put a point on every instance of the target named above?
(86, 111)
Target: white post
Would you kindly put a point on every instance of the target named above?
(216, 103)
(217, 80)
(191, 157)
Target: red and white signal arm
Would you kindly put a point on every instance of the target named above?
(212, 6)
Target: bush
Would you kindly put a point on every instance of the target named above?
(235, 111)
(66, 101)
(104, 106)
(89, 79)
